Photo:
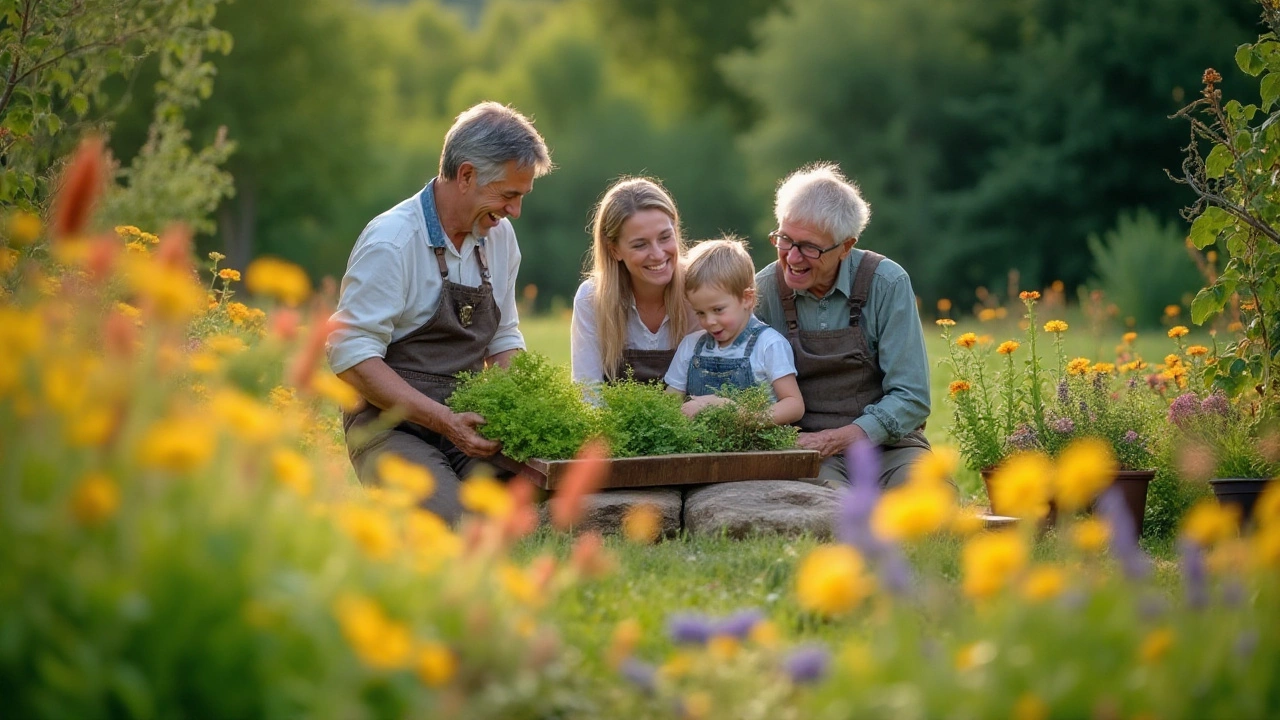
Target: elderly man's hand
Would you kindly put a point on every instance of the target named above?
(830, 442)
(461, 431)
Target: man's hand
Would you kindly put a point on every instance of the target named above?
(830, 442)
(460, 429)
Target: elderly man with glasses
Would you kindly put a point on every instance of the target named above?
(851, 318)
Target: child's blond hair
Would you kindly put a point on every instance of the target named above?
(723, 263)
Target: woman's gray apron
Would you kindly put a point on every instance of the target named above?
(836, 370)
(647, 365)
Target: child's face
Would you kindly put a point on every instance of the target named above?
(722, 314)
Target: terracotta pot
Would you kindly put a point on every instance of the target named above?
(1133, 485)
(1241, 492)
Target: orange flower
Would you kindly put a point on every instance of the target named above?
(1007, 347)
(1055, 326)
(945, 322)
(81, 186)
(1029, 295)
(967, 340)
(1129, 337)
(585, 477)
(958, 386)
(1197, 350)
(1178, 331)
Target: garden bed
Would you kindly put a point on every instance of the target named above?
(680, 469)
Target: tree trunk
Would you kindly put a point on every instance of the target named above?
(237, 224)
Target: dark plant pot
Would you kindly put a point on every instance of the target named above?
(1241, 492)
(1133, 486)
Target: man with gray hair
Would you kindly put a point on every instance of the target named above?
(852, 321)
(429, 292)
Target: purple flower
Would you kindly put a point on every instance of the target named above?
(1185, 407)
(1217, 404)
(1023, 438)
(1064, 425)
(1131, 437)
(1099, 381)
(1133, 383)
(807, 664)
(640, 673)
(739, 624)
(689, 629)
(857, 503)
(1124, 536)
(1194, 575)
(1062, 391)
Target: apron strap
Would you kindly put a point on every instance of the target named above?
(704, 342)
(444, 269)
(755, 335)
(862, 285)
(788, 297)
(484, 264)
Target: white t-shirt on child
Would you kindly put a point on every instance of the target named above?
(771, 358)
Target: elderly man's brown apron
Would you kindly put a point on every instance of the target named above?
(646, 364)
(456, 338)
(837, 371)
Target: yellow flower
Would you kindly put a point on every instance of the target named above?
(1210, 522)
(913, 511)
(292, 470)
(641, 524)
(1030, 707)
(436, 664)
(1172, 311)
(1129, 337)
(944, 305)
(204, 363)
(678, 665)
(958, 386)
(626, 635)
(397, 472)
(91, 426)
(94, 499)
(722, 648)
(1055, 326)
(1235, 327)
(1266, 547)
(975, 655)
(277, 278)
(225, 344)
(1079, 366)
(697, 705)
(988, 314)
(128, 310)
(1267, 507)
(1021, 485)
(171, 291)
(370, 528)
(830, 580)
(24, 228)
(229, 274)
(1197, 350)
(765, 634)
(967, 521)
(1085, 469)
(246, 418)
(1007, 347)
(282, 397)
(1090, 535)
(1104, 368)
(945, 322)
(379, 642)
(486, 496)
(938, 466)
(430, 539)
(1178, 331)
(8, 260)
(1155, 645)
(335, 389)
(519, 585)
(990, 560)
(1029, 295)
(1044, 582)
(177, 445)
(1172, 360)
(967, 340)
(984, 339)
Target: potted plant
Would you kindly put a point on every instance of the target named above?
(1012, 409)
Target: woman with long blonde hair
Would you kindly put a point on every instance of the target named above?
(630, 312)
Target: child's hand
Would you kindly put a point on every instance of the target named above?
(698, 403)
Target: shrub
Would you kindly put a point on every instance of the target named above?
(743, 425)
(533, 408)
(643, 419)
(1143, 266)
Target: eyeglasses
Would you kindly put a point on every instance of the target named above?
(783, 242)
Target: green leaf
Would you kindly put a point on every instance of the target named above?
(80, 104)
(1207, 303)
(1248, 60)
(1205, 229)
(1219, 158)
(1270, 89)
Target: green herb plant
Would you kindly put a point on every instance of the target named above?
(643, 419)
(742, 425)
(533, 408)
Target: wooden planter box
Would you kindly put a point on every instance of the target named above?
(685, 469)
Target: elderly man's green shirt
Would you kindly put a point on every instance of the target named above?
(891, 323)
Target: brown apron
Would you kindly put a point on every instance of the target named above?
(455, 339)
(836, 370)
(647, 365)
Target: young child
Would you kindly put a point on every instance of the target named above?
(734, 348)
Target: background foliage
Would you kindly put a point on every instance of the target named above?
(988, 136)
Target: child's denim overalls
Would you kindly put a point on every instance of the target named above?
(707, 374)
